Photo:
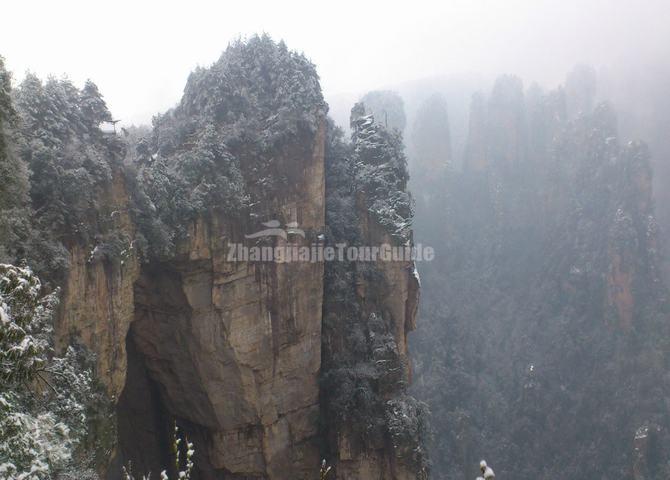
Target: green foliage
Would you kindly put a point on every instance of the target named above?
(114, 248)
(381, 173)
(45, 403)
(258, 88)
(55, 134)
(341, 213)
(14, 214)
(217, 149)
(363, 371)
(93, 108)
(408, 421)
(25, 313)
(66, 151)
(32, 446)
(214, 172)
(14, 187)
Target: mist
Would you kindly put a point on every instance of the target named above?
(357, 240)
(140, 54)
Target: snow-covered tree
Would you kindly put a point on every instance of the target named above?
(218, 147)
(32, 446)
(14, 186)
(25, 313)
(44, 401)
(93, 107)
(381, 172)
(56, 136)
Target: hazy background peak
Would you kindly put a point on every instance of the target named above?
(140, 53)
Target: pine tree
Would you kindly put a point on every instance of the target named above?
(381, 172)
(93, 107)
(14, 186)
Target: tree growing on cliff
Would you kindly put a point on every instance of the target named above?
(43, 400)
(93, 107)
(60, 146)
(57, 136)
(381, 172)
(218, 147)
(364, 371)
(24, 318)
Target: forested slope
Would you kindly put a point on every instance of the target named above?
(544, 342)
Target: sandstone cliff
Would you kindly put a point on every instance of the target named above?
(230, 350)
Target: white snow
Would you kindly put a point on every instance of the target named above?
(4, 317)
(415, 274)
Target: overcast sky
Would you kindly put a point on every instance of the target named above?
(140, 53)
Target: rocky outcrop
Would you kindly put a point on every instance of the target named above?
(230, 348)
(97, 307)
(372, 427)
(391, 296)
(234, 346)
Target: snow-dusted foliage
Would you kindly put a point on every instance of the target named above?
(14, 186)
(381, 172)
(407, 420)
(258, 89)
(24, 323)
(44, 401)
(546, 263)
(32, 446)
(53, 415)
(52, 426)
(57, 136)
(217, 149)
(363, 369)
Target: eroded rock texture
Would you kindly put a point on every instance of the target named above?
(98, 301)
(372, 428)
(235, 346)
(232, 350)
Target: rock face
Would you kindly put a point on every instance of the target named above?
(372, 428)
(394, 296)
(230, 348)
(98, 301)
(235, 346)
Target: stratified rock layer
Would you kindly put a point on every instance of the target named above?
(231, 349)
